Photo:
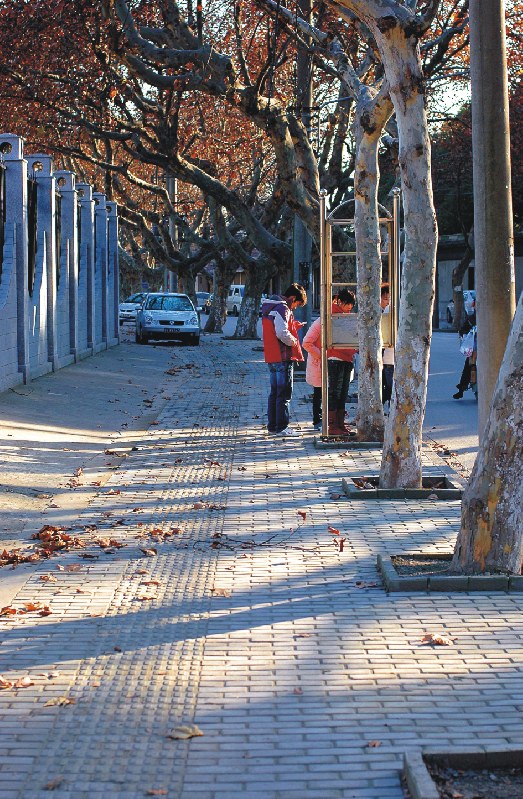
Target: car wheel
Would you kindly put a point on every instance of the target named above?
(235, 311)
(449, 317)
(194, 340)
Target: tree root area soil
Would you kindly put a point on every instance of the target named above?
(426, 564)
(419, 564)
(493, 783)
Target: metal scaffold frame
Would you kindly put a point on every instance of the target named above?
(343, 334)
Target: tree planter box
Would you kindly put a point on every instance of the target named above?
(420, 782)
(438, 579)
(345, 443)
(433, 486)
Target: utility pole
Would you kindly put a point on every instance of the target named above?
(493, 225)
(302, 250)
(171, 279)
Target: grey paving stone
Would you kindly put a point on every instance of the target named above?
(293, 675)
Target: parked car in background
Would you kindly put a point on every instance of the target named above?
(203, 302)
(165, 315)
(469, 304)
(234, 300)
(128, 308)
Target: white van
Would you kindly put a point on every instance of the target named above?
(234, 300)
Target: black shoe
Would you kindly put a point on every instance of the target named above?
(458, 395)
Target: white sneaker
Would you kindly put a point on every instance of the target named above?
(288, 432)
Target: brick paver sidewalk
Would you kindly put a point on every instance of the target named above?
(305, 678)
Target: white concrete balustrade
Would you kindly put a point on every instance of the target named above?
(58, 267)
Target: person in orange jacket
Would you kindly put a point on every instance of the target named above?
(282, 349)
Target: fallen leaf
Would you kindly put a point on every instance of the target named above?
(60, 701)
(297, 691)
(149, 552)
(436, 639)
(78, 472)
(5, 684)
(145, 598)
(221, 592)
(23, 682)
(157, 792)
(117, 648)
(373, 744)
(185, 731)
(48, 578)
(198, 505)
(8, 611)
(71, 567)
(432, 496)
(53, 784)
(333, 530)
(46, 611)
(335, 496)
(151, 582)
(136, 510)
(30, 607)
(303, 514)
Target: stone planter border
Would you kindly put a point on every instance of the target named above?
(347, 443)
(443, 582)
(422, 786)
(450, 490)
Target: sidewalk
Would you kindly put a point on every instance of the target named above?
(230, 606)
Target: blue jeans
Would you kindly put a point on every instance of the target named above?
(281, 375)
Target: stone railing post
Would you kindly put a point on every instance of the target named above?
(113, 271)
(87, 323)
(12, 148)
(100, 269)
(65, 182)
(42, 273)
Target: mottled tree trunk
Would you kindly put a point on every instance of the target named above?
(369, 120)
(250, 307)
(223, 276)
(491, 535)
(401, 460)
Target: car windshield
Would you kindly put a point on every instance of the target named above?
(202, 295)
(135, 298)
(166, 303)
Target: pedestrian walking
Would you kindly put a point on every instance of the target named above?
(339, 370)
(312, 344)
(387, 373)
(282, 349)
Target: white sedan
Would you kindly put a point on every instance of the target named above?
(128, 308)
(167, 316)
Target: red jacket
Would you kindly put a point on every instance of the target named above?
(280, 332)
(332, 352)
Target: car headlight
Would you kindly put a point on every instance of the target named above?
(193, 320)
(147, 318)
